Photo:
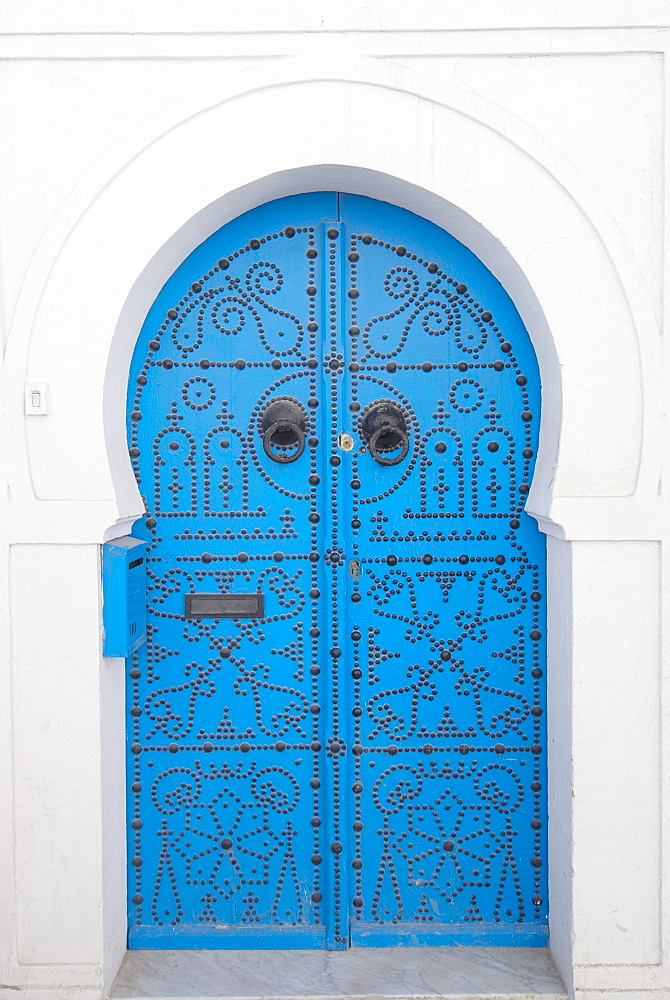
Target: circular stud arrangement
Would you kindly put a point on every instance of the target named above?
(378, 730)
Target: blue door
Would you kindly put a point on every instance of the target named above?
(336, 727)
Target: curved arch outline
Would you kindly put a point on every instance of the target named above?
(391, 84)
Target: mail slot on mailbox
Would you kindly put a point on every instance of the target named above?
(225, 605)
(124, 583)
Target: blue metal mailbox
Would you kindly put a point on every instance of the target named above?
(124, 584)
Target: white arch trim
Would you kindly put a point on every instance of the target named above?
(371, 127)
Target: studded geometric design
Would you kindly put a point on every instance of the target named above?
(363, 764)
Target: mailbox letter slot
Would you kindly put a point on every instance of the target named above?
(225, 605)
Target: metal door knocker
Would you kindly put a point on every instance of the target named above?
(282, 425)
(384, 429)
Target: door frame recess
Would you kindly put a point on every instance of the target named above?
(490, 252)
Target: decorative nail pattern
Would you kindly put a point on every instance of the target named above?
(367, 759)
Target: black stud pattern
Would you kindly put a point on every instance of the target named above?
(214, 831)
(446, 844)
(369, 753)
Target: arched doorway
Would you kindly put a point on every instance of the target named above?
(333, 416)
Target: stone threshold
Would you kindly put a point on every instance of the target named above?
(358, 974)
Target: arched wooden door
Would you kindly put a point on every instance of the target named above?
(336, 729)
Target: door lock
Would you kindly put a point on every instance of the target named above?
(355, 569)
(345, 441)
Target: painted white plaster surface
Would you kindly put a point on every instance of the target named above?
(55, 702)
(583, 104)
(321, 15)
(536, 134)
(616, 786)
(59, 106)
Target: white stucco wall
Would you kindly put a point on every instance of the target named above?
(536, 135)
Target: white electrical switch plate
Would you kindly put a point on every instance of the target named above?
(35, 397)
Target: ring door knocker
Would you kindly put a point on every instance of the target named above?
(384, 429)
(283, 424)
